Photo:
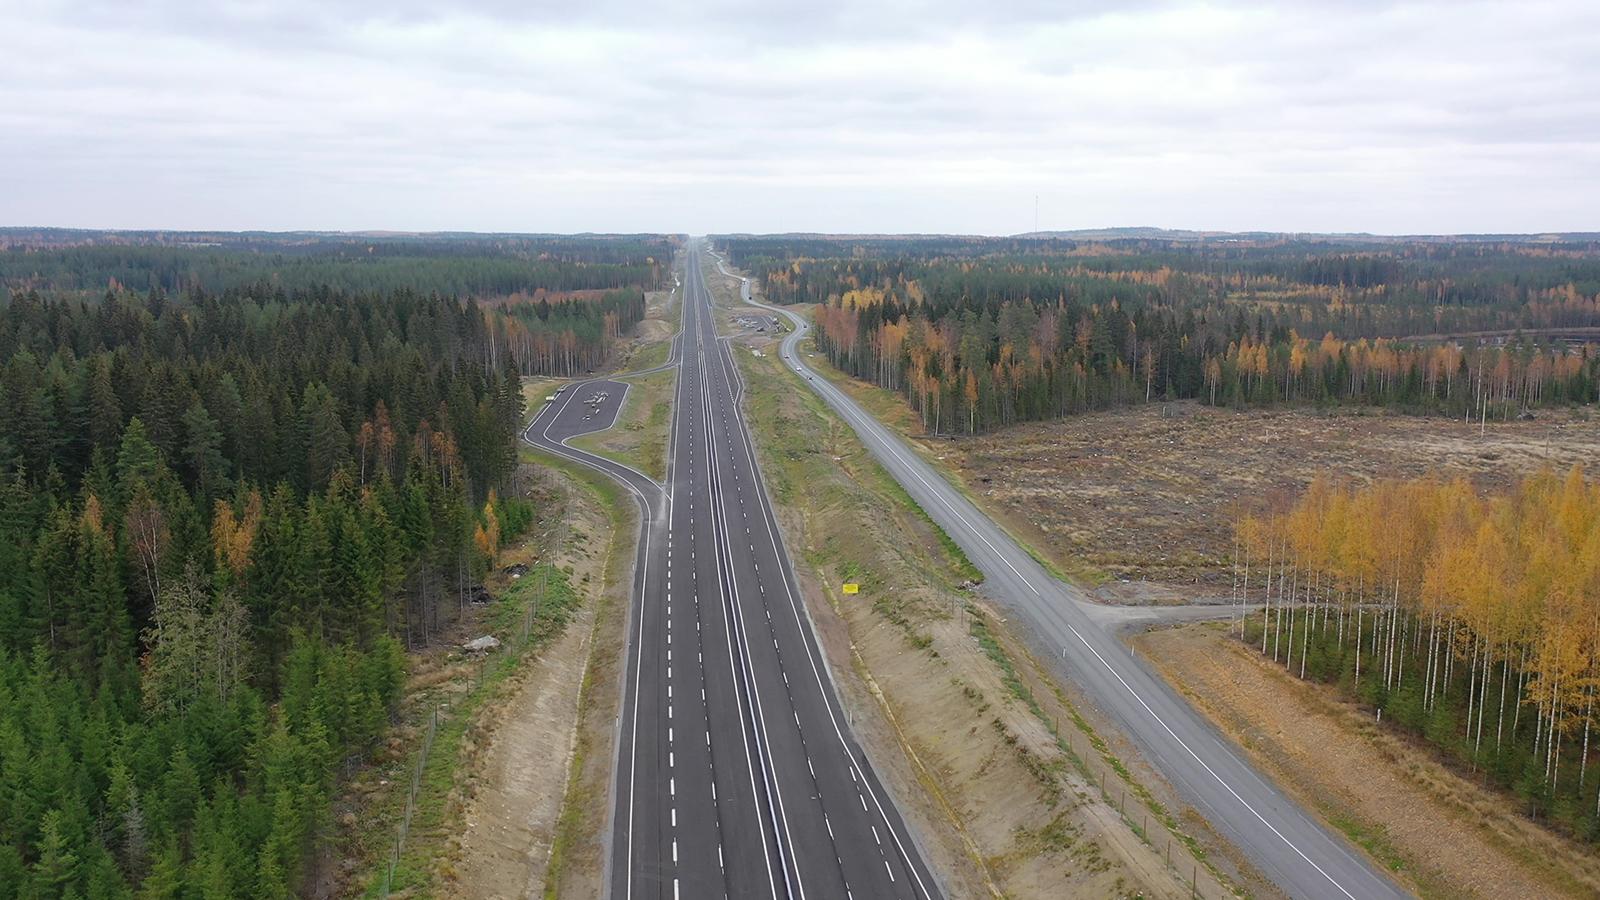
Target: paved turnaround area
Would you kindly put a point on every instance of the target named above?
(1301, 857)
(736, 774)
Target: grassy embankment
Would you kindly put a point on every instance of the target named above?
(577, 853)
(945, 455)
(462, 689)
(646, 355)
(968, 707)
(458, 688)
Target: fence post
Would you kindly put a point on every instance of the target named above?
(411, 802)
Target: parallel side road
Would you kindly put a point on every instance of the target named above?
(736, 774)
(1301, 857)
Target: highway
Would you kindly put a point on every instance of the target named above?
(1286, 844)
(736, 773)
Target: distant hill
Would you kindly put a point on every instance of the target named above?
(290, 242)
(1185, 235)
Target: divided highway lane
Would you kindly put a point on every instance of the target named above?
(736, 775)
(1301, 857)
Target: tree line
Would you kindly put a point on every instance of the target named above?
(1472, 621)
(975, 369)
(223, 517)
(567, 336)
(485, 266)
(978, 342)
(1396, 289)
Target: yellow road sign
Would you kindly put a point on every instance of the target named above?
(852, 588)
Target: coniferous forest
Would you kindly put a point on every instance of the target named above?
(225, 515)
(981, 333)
(85, 263)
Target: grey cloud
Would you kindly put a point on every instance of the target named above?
(754, 116)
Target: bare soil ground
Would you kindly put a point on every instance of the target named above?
(1442, 835)
(1150, 493)
(577, 867)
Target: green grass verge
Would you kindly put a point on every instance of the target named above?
(892, 411)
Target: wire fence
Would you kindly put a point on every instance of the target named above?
(442, 708)
(544, 585)
(411, 803)
(1139, 819)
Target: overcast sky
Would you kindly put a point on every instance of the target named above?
(828, 115)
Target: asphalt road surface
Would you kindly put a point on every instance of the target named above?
(1296, 853)
(736, 773)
